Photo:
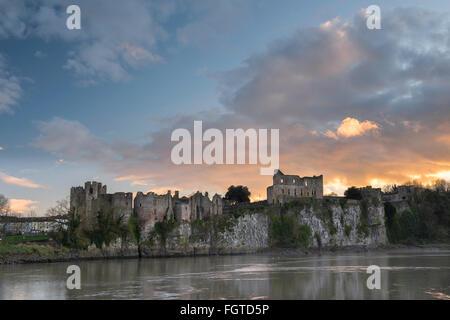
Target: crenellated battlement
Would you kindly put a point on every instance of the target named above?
(87, 200)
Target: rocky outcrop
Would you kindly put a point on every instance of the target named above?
(331, 224)
(343, 223)
(327, 224)
(248, 231)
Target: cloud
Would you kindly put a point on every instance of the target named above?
(393, 83)
(414, 125)
(22, 205)
(440, 175)
(106, 48)
(40, 54)
(331, 134)
(323, 75)
(351, 127)
(139, 184)
(337, 186)
(341, 70)
(109, 45)
(21, 182)
(10, 88)
(1, 148)
(56, 134)
(135, 54)
(13, 18)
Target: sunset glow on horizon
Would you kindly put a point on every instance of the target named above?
(358, 106)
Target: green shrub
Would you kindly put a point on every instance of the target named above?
(412, 226)
(135, 229)
(237, 214)
(347, 230)
(73, 235)
(303, 235)
(353, 193)
(163, 228)
(363, 227)
(18, 239)
(295, 204)
(200, 229)
(343, 202)
(107, 228)
(286, 232)
(318, 239)
(28, 250)
(326, 214)
(224, 223)
(375, 201)
(390, 223)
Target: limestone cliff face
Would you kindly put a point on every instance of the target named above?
(340, 224)
(249, 231)
(332, 224)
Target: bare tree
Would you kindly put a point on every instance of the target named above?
(61, 208)
(31, 214)
(414, 183)
(441, 185)
(389, 188)
(4, 206)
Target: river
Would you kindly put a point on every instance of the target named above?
(404, 275)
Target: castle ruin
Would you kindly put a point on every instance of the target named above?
(149, 208)
(401, 193)
(93, 197)
(288, 187)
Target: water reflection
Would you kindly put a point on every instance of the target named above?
(403, 276)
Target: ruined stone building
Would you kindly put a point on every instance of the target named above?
(149, 208)
(371, 193)
(88, 200)
(401, 193)
(287, 187)
(152, 207)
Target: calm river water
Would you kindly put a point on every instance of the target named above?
(404, 275)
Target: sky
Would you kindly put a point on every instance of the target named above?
(362, 107)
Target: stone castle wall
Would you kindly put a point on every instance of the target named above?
(402, 193)
(89, 199)
(288, 187)
(151, 208)
(148, 208)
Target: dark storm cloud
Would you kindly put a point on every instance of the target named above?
(357, 105)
